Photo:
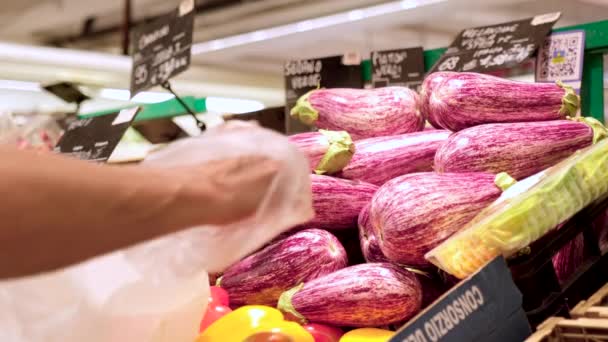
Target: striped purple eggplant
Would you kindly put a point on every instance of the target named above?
(430, 82)
(468, 99)
(337, 202)
(367, 237)
(569, 258)
(413, 213)
(260, 278)
(363, 113)
(519, 149)
(380, 159)
(327, 151)
(365, 295)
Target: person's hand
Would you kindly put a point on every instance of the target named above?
(239, 185)
(233, 187)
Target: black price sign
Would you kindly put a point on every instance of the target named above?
(495, 47)
(484, 307)
(162, 48)
(403, 67)
(305, 75)
(95, 138)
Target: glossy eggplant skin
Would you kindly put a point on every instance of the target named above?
(338, 202)
(519, 149)
(430, 82)
(467, 99)
(365, 295)
(414, 213)
(378, 160)
(367, 237)
(363, 113)
(260, 278)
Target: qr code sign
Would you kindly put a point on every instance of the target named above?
(561, 57)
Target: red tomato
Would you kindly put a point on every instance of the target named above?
(324, 333)
(218, 296)
(213, 314)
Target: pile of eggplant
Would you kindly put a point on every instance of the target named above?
(386, 191)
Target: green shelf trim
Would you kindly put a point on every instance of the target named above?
(596, 34)
(431, 57)
(592, 87)
(166, 109)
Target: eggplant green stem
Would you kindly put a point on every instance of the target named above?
(339, 152)
(218, 282)
(286, 305)
(304, 111)
(599, 130)
(504, 181)
(571, 102)
(417, 271)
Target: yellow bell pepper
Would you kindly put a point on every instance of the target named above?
(367, 335)
(249, 322)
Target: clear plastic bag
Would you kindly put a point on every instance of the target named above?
(29, 131)
(526, 211)
(157, 291)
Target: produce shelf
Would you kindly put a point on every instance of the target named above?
(557, 329)
(534, 274)
(594, 307)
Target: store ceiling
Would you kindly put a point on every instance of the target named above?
(95, 25)
(63, 22)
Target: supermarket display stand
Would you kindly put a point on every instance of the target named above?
(532, 270)
(534, 274)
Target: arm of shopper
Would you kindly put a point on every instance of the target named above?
(57, 211)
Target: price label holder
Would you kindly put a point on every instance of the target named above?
(302, 76)
(95, 138)
(162, 50)
(560, 58)
(402, 67)
(487, 306)
(68, 92)
(496, 47)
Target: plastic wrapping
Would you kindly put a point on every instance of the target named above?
(33, 131)
(157, 291)
(526, 211)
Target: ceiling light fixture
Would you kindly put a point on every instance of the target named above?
(20, 85)
(142, 97)
(309, 25)
(232, 106)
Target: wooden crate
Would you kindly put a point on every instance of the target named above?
(594, 307)
(557, 329)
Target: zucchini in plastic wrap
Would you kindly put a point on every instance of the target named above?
(526, 211)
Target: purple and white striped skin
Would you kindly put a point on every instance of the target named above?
(327, 151)
(260, 278)
(338, 202)
(468, 99)
(414, 213)
(363, 113)
(430, 82)
(519, 149)
(569, 258)
(378, 160)
(365, 295)
(367, 237)
(313, 144)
